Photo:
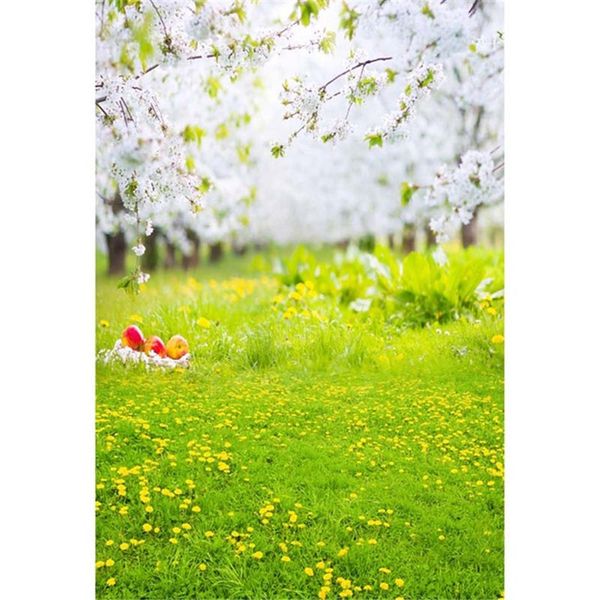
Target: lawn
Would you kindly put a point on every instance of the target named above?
(309, 451)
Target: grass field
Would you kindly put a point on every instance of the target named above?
(314, 452)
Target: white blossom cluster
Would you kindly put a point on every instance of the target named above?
(456, 194)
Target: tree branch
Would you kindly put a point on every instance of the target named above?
(356, 66)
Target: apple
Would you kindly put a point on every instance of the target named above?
(132, 337)
(154, 343)
(177, 347)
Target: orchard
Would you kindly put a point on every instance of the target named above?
(300, 299)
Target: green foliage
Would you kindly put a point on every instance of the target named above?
(193, 133)
(308, 9)
(349, 20)
(213, 86)
(142, 35)
(278, 150)
(363, 430)
(327, 44)
(406, 193)
(374, 139)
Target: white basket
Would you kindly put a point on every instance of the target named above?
(124, 354)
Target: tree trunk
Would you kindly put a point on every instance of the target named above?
(468, 232)
(117, 253)
(430, 235)
(409, 239)
(150, 257)
(391, 240)
(192, 260)
(170, 258)
(215, 252)
(239, 249)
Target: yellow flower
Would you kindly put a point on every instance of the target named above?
(497, 339)
(209, 534)
(104, 323)
(196, 509)
(147, 527)
(148, 509)
(202, 567)
(320, 565)
(99, 564)
(385, 570)
(441, 538)
(285, 559)
(136, 318)
(384, 586)
(176, 530)
(399, 582)
(204, 323)
(111, 581)
(110, 562)
(343, 552)
(186, 526)
(491, 311)
(257, 555)
(173, 540)
(309, 571)
(124, 546)
(372, 541)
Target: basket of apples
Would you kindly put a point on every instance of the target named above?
(152, 351)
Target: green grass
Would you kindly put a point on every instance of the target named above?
(350, 428)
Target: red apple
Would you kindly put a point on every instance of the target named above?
(155, 344)
(132, 337)
(177, 347)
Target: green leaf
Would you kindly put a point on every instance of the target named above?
(278, 150)
(406, 192)
(327, 44)
(374, 139)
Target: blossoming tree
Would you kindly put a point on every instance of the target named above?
(374, 97)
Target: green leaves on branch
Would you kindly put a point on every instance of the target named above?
(327, 44)
(212, 86)
(193, 133)
(129, 284)
(278, 150)
(307, 9)
(374, 139)
(349, 20)
(142, 35)
(406, 192)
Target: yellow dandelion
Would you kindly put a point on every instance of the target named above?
(285, 558)
(173, 540)
(196, 509)
(203, 323)
(257, 555)
(343, 552)
(124, 546)
(111, 581)
(147, 527)
(99, 564)
(209, 534)
(497, 339)
(309, 571)
(110, 562)
(385, 570)
(202, 567)
(104, 323)
(384, 586)
(399, 582)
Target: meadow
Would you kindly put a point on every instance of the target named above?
(339, 432)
